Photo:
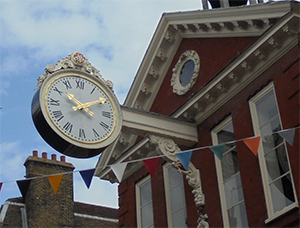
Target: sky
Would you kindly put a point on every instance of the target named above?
(112, 34)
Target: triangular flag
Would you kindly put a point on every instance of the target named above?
(218, 150)
(87, 176)
(23, 186)
(55, 181)
(288, 135)
(253, 144)
(185, 158)
(0, 186)
(151, 164)
(118, 170)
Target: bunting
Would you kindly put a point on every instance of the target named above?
(151, 164)
(288, 135)
(23, 186)
(218, 150)
(55, 181)
(87, 176)
(185, 158)
(253, 144)
(119, 170)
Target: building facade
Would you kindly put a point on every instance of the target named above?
(233, 74)
(40, 206)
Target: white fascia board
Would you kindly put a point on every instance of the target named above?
(140, 122)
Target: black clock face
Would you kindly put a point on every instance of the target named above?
(80, 109)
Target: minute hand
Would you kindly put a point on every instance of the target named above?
(85, 105)
(71, 97)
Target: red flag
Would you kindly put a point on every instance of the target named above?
(253, 144)
(151, 164)
(55, 181)
(0, 186)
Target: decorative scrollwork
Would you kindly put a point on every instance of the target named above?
(73, 61)
(169, 148)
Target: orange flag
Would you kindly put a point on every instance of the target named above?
(253, 144)
(55, 181)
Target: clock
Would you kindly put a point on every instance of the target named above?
(76, 113)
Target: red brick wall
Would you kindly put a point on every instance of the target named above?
(285, 75)
(214, 54)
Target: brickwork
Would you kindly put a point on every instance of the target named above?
(285, 76)
(44, 207)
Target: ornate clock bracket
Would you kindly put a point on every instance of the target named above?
(73, 61)
(169, 148)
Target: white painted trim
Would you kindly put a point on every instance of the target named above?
(219, 172)
(139, 122)
(261, 158)
(96, 217)
(138, 197)
(167, 193)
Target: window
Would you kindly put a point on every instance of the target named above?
(144, 203)
(274, 163)
(175, 197)
(229, 179)
(186, 73)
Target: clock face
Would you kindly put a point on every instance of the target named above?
(79, 109)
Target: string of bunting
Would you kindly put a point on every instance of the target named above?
(151, 163)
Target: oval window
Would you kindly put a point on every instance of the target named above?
(187, 72)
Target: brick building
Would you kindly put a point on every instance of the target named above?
(41, 207)
(225, 75)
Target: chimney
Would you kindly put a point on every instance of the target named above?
(45, 208)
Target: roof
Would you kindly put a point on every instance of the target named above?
(85, 215)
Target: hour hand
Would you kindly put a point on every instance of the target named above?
(71, 97)
(85, 105)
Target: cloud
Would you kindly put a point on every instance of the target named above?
(11, 159)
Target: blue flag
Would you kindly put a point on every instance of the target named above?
(87, 176)
(185, 158)
(218, 150)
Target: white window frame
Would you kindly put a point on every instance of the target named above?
(220, 179)
(263, 167)
(138, 201)
(167, 193)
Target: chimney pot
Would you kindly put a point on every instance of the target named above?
(53, 157)
(35, 153)
(63, 158)
(44, 155)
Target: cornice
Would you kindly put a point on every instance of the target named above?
(255, 20)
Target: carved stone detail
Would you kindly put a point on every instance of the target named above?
(175, 80)
(73, 61)
(169, 148)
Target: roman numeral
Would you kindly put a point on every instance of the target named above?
(67, 84)
(81, 133)
(93, 90)
(79, 84)
(57, 90)
(104, 125)
(106, 114)
(54, 102)
(95, 133)
(58, 115)
(68, 127)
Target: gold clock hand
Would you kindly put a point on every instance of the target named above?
(85, 105)
(71, 97)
